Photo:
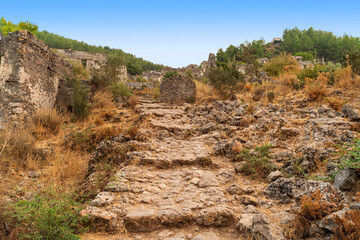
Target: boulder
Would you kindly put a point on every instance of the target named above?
(345, 179)
(288, 189)
(350, 113)
(259, 226)
(274, 176)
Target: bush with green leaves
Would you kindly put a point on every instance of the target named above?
(80, 99)
(350, 155)
(224, 78)
(7, 27)
(256, 162)
(170, 74)
(50, 216)
(276, 65)
(119, 89)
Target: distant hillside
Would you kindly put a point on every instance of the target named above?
(134, 64)
(307, 43)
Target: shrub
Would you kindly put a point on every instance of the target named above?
(350, 155)
(224, 79)
(348, 226)
(156, 92)
(270, 96)
(343, 77)
(305, 56)
(133, 101)
(132, 131)
(205, 92)
(313, 208)
(257, 163)
(81, 102)
(49, 119)
(317, 89)
(102, 99)
(276, 65)
(170, 74)
(16, 144)
(335, 103)
(109, 73)
(247, 87)
(119, 89)
(90, 137)
(250, 109)
(47, 217)
(258, 93)
(141, 79)
(80, 72)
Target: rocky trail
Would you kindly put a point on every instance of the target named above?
(178, 180)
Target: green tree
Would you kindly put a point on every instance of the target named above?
(224, 78)
(8, 27)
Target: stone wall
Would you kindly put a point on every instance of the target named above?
(92, 61)
(88, 59)
(177, 89)
(29, 75)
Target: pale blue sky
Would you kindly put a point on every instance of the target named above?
(178, 33)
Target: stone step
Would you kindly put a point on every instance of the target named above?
(170, 152)
(142, 200)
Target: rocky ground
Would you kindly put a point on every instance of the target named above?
(179, 177)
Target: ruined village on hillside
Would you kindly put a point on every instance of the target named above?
(246, 145)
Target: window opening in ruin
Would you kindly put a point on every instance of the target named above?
(83, 62)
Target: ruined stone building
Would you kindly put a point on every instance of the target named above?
(92, 61)
(30, 75)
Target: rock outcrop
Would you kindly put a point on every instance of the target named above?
(29, 75)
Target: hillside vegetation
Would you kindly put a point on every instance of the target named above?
(135, 65)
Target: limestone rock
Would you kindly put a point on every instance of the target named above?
(274, 176)
(217, 216)
(350, 113)
(287, 189)
(259, 226)
(328, 222)
(345, 179)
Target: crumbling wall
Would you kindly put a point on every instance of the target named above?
(211, 62)
(177, 89)
(29, 75)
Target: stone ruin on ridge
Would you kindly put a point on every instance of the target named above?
(30, 75)
(177, 90)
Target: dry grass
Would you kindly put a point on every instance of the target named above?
(16, 146)
(343, 77)
(335, 103)
(46, 121)
(132, 131)
(317, 89)
(250, 109)
(312, 208)
(103, 100)
(258, 93)
(205, 92)
(248, 87)
(348, 226)
(67, 170)
(133, 101)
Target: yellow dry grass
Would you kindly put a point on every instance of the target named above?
(205, 92)
(103, 99)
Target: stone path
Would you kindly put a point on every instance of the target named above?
(175, 181)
